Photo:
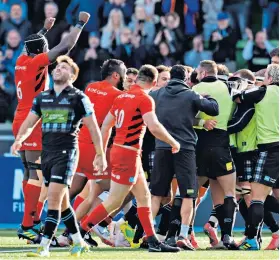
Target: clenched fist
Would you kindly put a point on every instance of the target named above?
(49, 22)
(84, 17)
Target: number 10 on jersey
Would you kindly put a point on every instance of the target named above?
(119, 118)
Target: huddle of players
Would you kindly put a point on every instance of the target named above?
(127, 144)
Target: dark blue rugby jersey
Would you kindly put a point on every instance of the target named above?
(61, 117)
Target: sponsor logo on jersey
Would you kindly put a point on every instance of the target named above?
(55, 116)
(98, 92)
(30, 144)
(47, 100)
(20, 67)
(126, 96)
(64, 101)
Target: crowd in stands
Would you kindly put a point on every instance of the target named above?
(141, 31)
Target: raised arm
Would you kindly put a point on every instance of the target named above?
(49, 23)
(159, 131)
(25, 130)
(70, 40)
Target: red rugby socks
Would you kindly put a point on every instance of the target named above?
(40, 206)
(77, 202)
(31, 197)
(146, 219)
(95, 217)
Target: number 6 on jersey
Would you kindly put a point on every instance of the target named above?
(119, 118)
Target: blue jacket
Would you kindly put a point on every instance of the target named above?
(89, 6)
(127, 9)
(192, 8)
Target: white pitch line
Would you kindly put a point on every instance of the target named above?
(32, 249)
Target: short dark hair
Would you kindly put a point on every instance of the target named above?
(222, 69)
(162, 68)
(109, 67)
(209, 66)
(274, 52)
(132, 71)
(246, 74)
(179, 72)
(147, 73)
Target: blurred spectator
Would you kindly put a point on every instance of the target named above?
(149, 6)
(142, 26)
(77, 6)
(111, 32)
(197, 54)
(239, 13)
(37, 12)
(131, 76)
(23, 5)
(171, 32)
(12, 49)
(270, 12)
(211, 9)
(92, 60)
(130, 51)
(93, 25)
(2, 58)
(4, 12)
(274, 55)
(126, 8)
(15, 22)
(53, 36)
(5, 100)
(223, 41)
(162, 55)
(257, 53)
(189, 10)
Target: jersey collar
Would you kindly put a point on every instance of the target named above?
(67, 89)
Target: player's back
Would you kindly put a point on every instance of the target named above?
(128, 109)
(30, 79)
(102, 95)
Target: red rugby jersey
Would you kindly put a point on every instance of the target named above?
(128, 108)
(30, 79)
(102, 95)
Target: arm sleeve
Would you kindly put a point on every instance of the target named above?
(207, 105)
(248, 51)
(240, 120)
(253, 95)
(36, 109)
(147, 105)
(269, 47)
(85, 108)
(39, 61)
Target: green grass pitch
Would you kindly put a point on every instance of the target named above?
(13, 248)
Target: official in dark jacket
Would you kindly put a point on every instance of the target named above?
(176, 108)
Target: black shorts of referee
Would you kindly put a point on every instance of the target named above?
(166, 165)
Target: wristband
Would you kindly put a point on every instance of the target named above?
(43, 31)
(201, 122)
(80, 25)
